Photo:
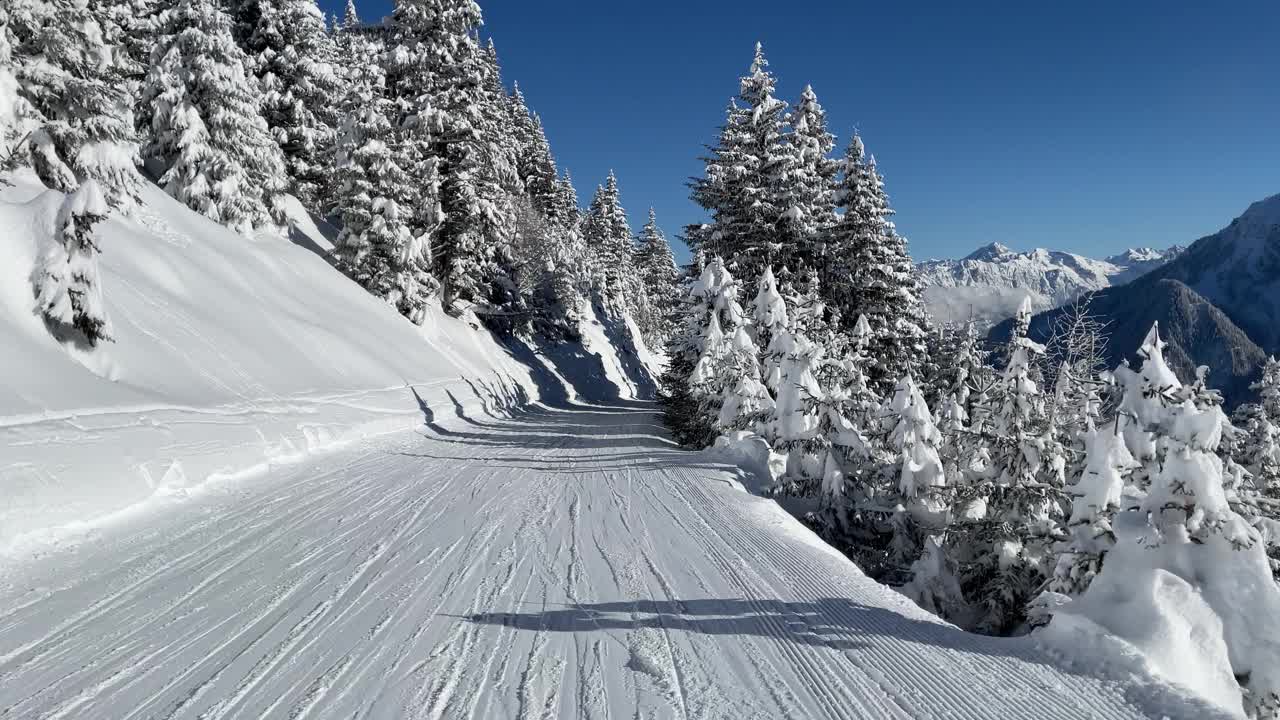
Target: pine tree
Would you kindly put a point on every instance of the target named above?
(658, 275)
(1009, 516)
(1096, 495)
(213, 146)
(564, 204)
(68, 115)
(808, 199)
(435, 75)
(746, 171)
(376, 246)
(854, 460)
(1259, 452)
(537, 167)
(287, 53)
(770, 320)
(692, 391)
(608, 234)
(881, 283)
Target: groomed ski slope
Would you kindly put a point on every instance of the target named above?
(564, 562)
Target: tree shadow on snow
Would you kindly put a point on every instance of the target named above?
(836, 623)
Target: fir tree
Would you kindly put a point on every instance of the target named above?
(68, 115)
(1096, 495)
(692, 390)
(881, 283)
(608, 234)
(770, 320)
(1259, 452)
(808, 199)
(660, 278)
(435, 75)
(287, 53)
(746, 172)
(213, 146)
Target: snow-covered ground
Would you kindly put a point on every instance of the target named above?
(274, 497)
(231, 354)
(563, 562)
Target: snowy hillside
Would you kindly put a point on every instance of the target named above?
(231, 355)
(990, 283)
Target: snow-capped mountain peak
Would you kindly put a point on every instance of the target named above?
(989, 252)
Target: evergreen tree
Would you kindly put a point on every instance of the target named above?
(350, 18)
(376, 246)
(808, 199)
(287, 53)
(1259, 452)
(881, 282)
(211, 143)
(435, 75)
(795, 424)
(537, 167)
(770, 320)
(692, 395)
(564, 205)
(746, 171)
(1008, 519)
(660, 278)
(1096, 495)
(67, 113)
(608, 235)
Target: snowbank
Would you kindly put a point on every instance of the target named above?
(230, 354)
(1195, 614)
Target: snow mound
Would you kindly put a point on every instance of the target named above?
(231, 354)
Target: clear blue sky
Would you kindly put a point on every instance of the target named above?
(1085, 126)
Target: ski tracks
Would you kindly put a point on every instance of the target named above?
(556, 564)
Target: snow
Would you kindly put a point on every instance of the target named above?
(561, 562)
(230, 355)
(272, 496)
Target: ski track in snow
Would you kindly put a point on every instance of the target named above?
(564, 563)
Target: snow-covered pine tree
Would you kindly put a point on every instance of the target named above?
(1095, 494)
(350, 16)
(436, 75)
(13, 109)
(744, 179)
(68, 115)
(564, 205)
(795, 425)
(731, 365)
(1182, 520)
(212, 147)
(288, 53)
(691, 397)
(875, 276)
(1008, 519)
(1259, 452)
(376, 246)
(855, 457)
(808, 194)
(537, 167)
(920, 477)
(660, 277)
(608, 234)
(770, 320)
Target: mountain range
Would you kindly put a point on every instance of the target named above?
(1217, 302)
(989, 284)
